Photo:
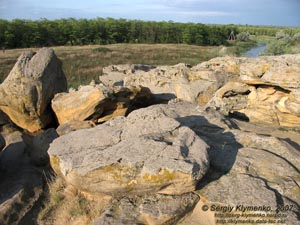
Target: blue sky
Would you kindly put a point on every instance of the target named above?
(256, 12)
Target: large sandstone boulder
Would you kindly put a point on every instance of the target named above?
(147, 152)
(98, 103)
(78, 105)
(25, 95)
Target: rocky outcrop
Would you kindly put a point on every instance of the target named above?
(179, 81)
(267, 91)
(245, 167)
(99, 104)
(168, 163)
(261, 89)
(25, 95)
(167, 82)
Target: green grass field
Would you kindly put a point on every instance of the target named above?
(81, 64)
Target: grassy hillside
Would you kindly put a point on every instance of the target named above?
(84, 63)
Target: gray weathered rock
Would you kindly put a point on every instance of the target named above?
(147, 152)
(73, 126)
(247, 168)
(196, 84)
(156, 209)
(25, 95)
(160, 80)
(114, 75)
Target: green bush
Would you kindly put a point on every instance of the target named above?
(280, 34)
(243, 36)
(102, 49)
(276, 48)
(296, 37)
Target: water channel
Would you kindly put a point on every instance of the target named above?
(256, 50)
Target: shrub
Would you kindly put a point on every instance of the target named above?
(296, 37)
(102, 49)
(280, 34)
(243, 36)
(284, 37)
(276, 48)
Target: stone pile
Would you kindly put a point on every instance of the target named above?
(228, 134)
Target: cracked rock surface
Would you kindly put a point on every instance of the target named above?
(147, 152)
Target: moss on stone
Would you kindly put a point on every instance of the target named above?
(163, 176)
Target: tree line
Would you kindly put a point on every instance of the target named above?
(20, 33)
(267, 30)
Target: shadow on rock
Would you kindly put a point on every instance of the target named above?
(21, 183)
(292, 143)
(223, 146)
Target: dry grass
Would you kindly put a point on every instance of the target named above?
(65, 205)
(81, 64)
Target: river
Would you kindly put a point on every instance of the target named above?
(255, 51)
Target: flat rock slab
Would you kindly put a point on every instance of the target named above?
(156, 209)
(73, 126)
(147, 152)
